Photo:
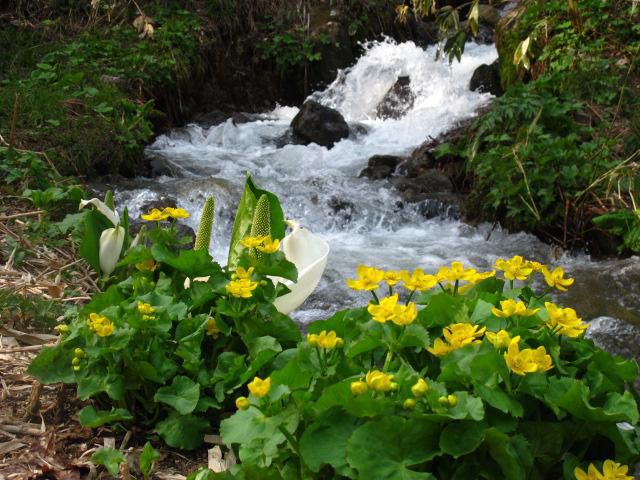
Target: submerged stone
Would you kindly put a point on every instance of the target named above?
(316, 123)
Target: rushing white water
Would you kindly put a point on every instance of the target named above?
(364, 221)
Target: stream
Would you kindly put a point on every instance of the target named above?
(366, 221)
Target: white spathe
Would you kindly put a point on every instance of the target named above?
(102, 207)
(308, 252)
(111, 241)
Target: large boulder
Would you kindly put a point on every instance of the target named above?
(316, 123)
(397, 101)
(431, 184)
(381, 166)
(486, 79)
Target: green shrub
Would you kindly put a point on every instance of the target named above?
(512, 391)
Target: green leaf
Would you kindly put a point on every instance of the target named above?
(182, 394)
(190, 262)
(244, 217)
(147, 458)
(414, 335)
(183, 431)
(386, 448)
(325, 442)
(92, 418)
(110, 458)
(94, 224)
(498, 399)
(52, 365)
(443, 310)
(461, 438)
(511, 454)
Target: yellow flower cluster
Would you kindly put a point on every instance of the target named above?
(509, 308)
(326, 340)
(517, 268)
(528, 360)
(610, 471)
(456, 336)
(147, 311)
(389, 310)
(258, 387)
(380, 382)
(156, 215)
(369, 278)
(564, 321)
(241, 288)
(264, 244)
(101, 325)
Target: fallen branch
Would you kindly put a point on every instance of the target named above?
(30, 348)
(22, 214)
(25, 430)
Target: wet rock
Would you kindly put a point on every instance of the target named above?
(341, 208)
(431, 184)
(161, 202)
(316, 123)
(211, 119)
(381, 166)
(397, 101)
(161, 166)
(358, 130)
(486, 79)
(615, 336)
(425, 33)
(488, 15)
(239, 118)
(433, 208)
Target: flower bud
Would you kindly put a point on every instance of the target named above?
(409, 404)
(312, 340)
(444, 401)
(420, 388)
(78, 352)
(64, 328)
(75, 361)
(76, 368)
(453, 400)
(359, 388)
(242, 403)
(394, 386)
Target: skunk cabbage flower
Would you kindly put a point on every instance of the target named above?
(308, 253)
(111, 241)
(102, 207)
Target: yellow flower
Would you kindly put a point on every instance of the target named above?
(269, 246)
(379, 381)
(542, 359)
(312, 339)
(515, 268)
(242, 403)
(455, 273)
(565, 321)
(329, 340)
(420, 388)
(145, 308)
(556, 278)
(243, 274)
(385, 310)
(405, 314)
(499, 340)
(535, 266)
(241, 288)
(62, 329)
(440, 348)
(614, 471)
(409, 404)
(359, 388)
(478, 277)
(610, 471)
(101, 325)
(391, 277)
(260, 388)
(418, 280)
(368, 278)
(176, 212)
(146, 266)
(252, 242)
(212, 328)
(461, 334)
(527, 360)
(154, 215)
(509, 308)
